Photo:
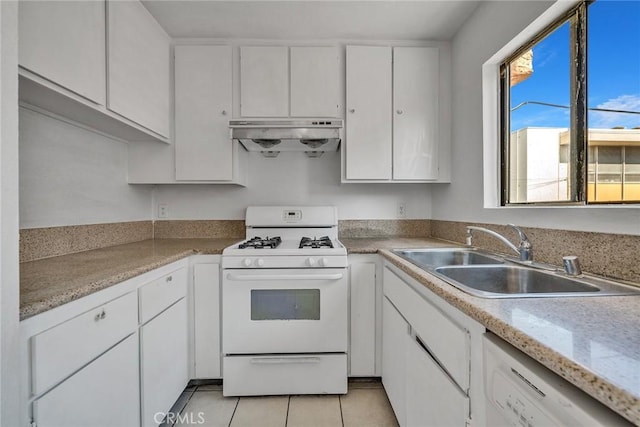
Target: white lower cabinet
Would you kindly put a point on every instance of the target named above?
(206, 314)
(164, 362)
(104, 393)
(119, 357)
(395, 336)
(432, 398)
(363, 291)
(425, 358)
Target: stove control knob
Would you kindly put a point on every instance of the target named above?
(324, 262)
(259, 262)
(247, 262)
(311, 262)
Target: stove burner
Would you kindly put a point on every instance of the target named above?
(323, 242)
(260, 243)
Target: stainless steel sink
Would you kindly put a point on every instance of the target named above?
(511, 281)
(439, 257)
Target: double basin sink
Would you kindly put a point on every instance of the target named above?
(491, 276)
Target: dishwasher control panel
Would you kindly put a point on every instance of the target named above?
(521, 392)
(515, 404)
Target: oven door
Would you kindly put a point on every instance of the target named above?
(284, 311)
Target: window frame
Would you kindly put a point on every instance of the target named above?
(578, 147)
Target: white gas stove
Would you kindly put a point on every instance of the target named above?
(288, 237)
(284, 304)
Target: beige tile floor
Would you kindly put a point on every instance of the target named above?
(365, 405)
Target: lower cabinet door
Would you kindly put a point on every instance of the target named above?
(432, 397)
(362, 344)
(395, 337)
(164, 362)
(206, 307)
(104, 393)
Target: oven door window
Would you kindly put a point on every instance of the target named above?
(285, 304)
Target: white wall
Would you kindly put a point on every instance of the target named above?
(292, 178)
(9, 270)
(70, 175)
(491, 26)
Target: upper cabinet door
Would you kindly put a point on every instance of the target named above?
(203, 84)
(415, 109)
(64, 42)
(264, 81)
(368, 116)
(138, 66)
(314, 82)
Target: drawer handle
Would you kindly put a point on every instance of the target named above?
(170, 279)
(284, 360)
(100, 315)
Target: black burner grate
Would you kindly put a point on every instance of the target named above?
(308, 242)
(260, 243)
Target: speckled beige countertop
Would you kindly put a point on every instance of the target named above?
(51, 282)
(593, 342)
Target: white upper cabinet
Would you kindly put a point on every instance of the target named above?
(278, 81)
(203, 152)
(138, 61)
(314, 81)
(392, 114)
(203, 102)
(64, 42)
(264, 81)
(368, 118)
(415, 109)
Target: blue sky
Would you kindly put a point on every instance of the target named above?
(613, 71)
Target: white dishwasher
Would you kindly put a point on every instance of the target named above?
(521, 392)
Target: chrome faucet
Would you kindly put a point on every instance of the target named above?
(524, 248)
(571, 265)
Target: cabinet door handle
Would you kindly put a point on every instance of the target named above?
(224, 112)
(100, 315)
(353, 110)
(399, 111)
(170, 279)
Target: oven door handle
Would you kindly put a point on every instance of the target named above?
(254, 277)
(284, 360)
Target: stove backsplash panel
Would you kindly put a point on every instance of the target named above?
(39, 243)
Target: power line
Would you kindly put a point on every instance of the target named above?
(547, 104)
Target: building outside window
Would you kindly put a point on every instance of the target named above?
(570, 110)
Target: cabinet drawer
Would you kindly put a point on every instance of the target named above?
(285, 374)
(446, 340)
(104, 393)
(161, 293)
(58, 352)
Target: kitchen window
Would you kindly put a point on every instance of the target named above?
(570, 110)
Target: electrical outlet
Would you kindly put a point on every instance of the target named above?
(402, 210)
(163, 210)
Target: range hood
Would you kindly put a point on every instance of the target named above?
(270, 137)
